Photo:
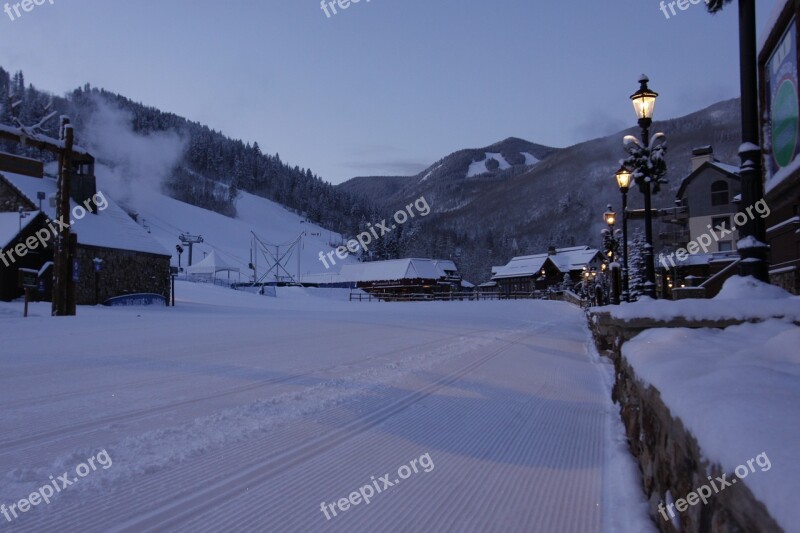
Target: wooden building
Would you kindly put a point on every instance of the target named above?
(529, 273)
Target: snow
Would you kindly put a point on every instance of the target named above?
(748, 288)
(750, 242)
(430, 172)
(742, 299)
(530, 159)
(476, 168)
(109, 228)
(789, 221)
(239, 412)
(736, 390)
(565, 259)
(395, 269)
(211, 264)
(10, 226)
(231, 238)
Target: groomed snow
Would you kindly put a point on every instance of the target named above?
(239, 412)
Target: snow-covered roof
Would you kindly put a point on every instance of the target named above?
(396, 269)
(446, 265)
(565, 260)
(211, 264)
(109, 228)
(10, 226)
(731, 170)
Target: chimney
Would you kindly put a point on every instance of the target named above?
(551, 250)
(83, 184)
(703, 154)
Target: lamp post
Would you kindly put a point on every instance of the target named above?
(623, 177)
(644, 103)
(611, 218)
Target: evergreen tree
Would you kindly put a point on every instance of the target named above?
(636, 266)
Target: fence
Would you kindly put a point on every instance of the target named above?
(448, 296)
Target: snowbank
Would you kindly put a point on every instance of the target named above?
(741, 298)
(738, 391)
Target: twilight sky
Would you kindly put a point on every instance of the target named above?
(385, 86)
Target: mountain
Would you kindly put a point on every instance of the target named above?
(482, 220)
(185, 159)
(452, 181)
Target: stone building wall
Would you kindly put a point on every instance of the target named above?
(123, 272)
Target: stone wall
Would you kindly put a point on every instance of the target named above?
(671, 460)
(123, 272)
(789, 281)
(669, 457)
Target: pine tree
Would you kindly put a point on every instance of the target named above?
(636, 266)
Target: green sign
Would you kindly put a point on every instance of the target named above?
(784, 101)
(785, 120)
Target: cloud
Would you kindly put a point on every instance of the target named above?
(398, 167)
(599, 124)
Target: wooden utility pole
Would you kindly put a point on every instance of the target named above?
(63, 286)
(68, 154)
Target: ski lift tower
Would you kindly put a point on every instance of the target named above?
(190, 240)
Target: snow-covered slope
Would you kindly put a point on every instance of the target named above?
(231, 238)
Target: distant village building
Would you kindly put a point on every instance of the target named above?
(394, 277)
(115, 256)
(778, 88)
(530, 273)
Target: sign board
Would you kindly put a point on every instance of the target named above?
(28, 278)
(783, 102)
(136, 300)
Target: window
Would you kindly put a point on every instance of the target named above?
(724, 222)
(725, 246)
(719, 193)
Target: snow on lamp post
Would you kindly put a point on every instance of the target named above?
(623, 177)
(648, 168)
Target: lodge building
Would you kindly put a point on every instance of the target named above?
(780, 116)
(115, 256)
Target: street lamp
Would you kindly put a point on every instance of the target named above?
(623, 177)
(644, 103)
(610, 217)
